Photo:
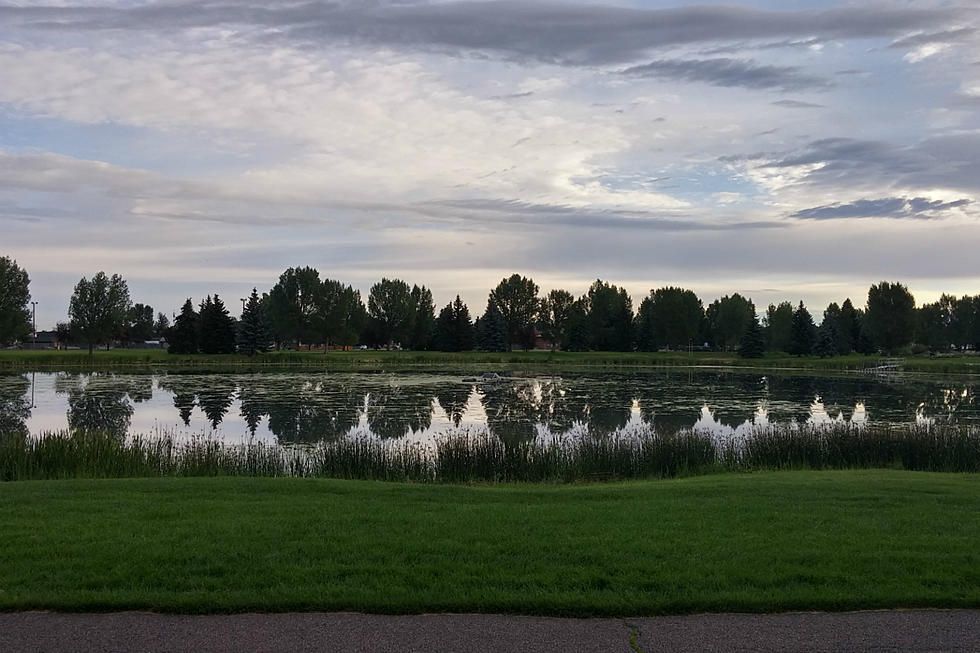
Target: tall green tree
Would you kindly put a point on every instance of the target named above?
(15, 298)
(184, 335)
(890, 315)
(610, 317)
(849, 326)
(391, 311)
(579, 336)
(161, 326)
(778, 324)
(139, 324)
(98, 309)
(454, 328)
(424, 320)
(553, 316)
(670, 317)
(753, 344)
(516, 300)
(217, 327)
(727, 319)
(491, 330)
(253, 329)
(827, 339)
(802, 332)
(292, 306)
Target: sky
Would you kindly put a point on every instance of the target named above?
(782, 150)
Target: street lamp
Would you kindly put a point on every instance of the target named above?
(34, 325)
(243, 305)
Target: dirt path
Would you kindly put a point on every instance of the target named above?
(907, 630)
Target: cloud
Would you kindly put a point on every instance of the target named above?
(545, 31)
(889, 207)
(944, 36)
(796, 104)
(730, 72)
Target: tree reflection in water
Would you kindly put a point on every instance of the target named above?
(395, 410)
(15, 404)
(103, 402)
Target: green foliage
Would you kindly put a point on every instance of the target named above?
(184, 336)
(610, 317)
(491, 331)
(99, 308)
(753, 344)
(726, 320)
(291, 306)
(217, 328)
(802, 333)
(826, 343)
(579, 335)
(890, 315)
(392, 311)
(161, 326)
(454, 328)
(670, 317)
(139, 324)
(339, 316)
(424, 320)
(15, 297)
(515, 299)
(553, 317)
(778, 324)
(254, 336)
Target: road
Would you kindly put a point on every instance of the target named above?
(879, 631)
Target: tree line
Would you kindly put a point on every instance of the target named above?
(303, 310)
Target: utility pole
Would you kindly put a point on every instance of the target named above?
(243, 305)
(34, 325)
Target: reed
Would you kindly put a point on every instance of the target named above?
(481, 457)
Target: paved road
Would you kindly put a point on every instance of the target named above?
(912, 630)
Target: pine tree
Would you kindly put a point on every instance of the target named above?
(454, 329)
(802, 332)
(753, 344)
(826, 343)
(492, 334)
(184, 334)
(253, 329)
(217, 328)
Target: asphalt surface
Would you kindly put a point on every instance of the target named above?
(907, 630)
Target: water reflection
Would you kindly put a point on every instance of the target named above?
(302, 408)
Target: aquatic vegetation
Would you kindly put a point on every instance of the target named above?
(467, 456)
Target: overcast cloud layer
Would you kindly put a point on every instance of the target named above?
(780, 150)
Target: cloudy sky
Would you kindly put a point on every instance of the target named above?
(781, 149)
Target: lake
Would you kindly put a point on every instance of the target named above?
(306, 407)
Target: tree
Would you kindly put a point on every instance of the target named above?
(454, 329)
(578, 326)
(516, 300)
(802, 333)
(670, 317)
(391, 311)
(15, 298)
(184, 334)
(340, 314)
(63, 334)
(291, 306)
(753, 344)
(98, 309)
(890, 315)
(424, 320)
(161, 326)
(778, 323)
(931, 329)
(826, 342)
(217, 327)
(139, 324)
(727, 319)
(849, 326)
(610, 317)
(553, 316)
(253, 329)
(491, 331)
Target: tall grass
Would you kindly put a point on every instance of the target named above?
(465, 457)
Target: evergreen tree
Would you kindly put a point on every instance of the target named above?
(753, 344)
(492, 333)
(217, 328)
(454, 329)
(424, 322)
(184, 334)
(779, 326)
(826, 342)
(802, 333)
(849, 327)
(161, 326)
(253, 329)
(578, 327)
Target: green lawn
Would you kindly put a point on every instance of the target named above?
(749, 542)
(462, 361)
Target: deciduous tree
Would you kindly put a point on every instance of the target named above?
(98, 309)
(15, 297)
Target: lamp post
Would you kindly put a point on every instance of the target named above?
(33, 325)
(243, 305)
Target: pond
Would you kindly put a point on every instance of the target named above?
(294, 408)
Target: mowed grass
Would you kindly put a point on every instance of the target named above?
(736, 542)
(467, 362)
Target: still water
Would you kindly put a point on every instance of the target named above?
(304, 407)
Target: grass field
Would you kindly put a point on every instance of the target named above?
(460, 361)
(733, 542)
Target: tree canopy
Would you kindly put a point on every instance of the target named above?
(15, 298)
(99, 308)
(515, 299)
